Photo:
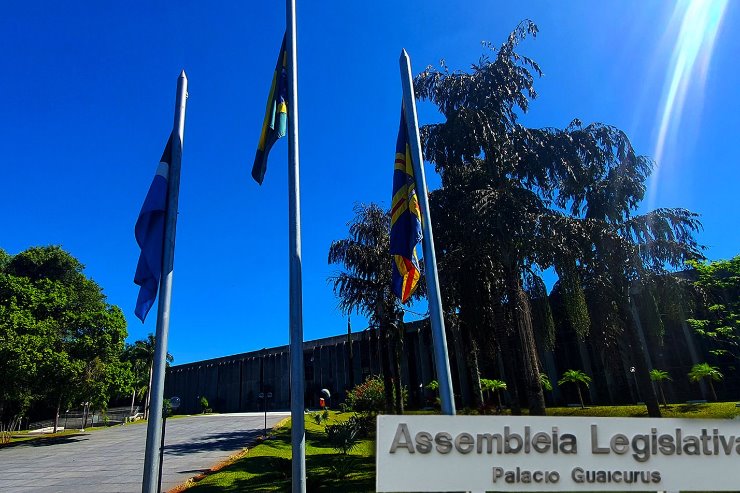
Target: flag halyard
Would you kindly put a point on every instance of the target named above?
(275, 124)
(149, 232)
(405, 220)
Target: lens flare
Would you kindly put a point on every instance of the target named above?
(699, 23)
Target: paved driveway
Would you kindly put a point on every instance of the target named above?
(112, 460)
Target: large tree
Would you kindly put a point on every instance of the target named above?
(60, 341)
(521, 200)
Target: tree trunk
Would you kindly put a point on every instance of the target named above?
(662, 395)
(56, 416)
(711, 388)
(149, 391)
(580, 396)
(133, 401)
(385, 369)
(397, 355)
(639, 357)
(508, 357)
(474, 369)
(522, 317)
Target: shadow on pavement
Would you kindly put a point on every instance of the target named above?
(43, 441)
(228, 441)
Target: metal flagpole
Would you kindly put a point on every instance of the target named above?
(154, 425)
(441, 359)
(298, 433)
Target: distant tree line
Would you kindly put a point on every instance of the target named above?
(515, 202)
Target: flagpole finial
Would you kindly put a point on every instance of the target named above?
(183, 75)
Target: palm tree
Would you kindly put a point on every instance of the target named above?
(494, 386)
(364, 286)
(658, 376)
(141, 356)
(576, 377)
(704, 370)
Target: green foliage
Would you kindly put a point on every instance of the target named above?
(492, 385)
(659, 375)
(545, 382)
(433, 386)
(140, 358)
(704, 370)
(60, 341)
(203, 404)
(343, 436)
(575, 377)
(369, 396)
(719, 320)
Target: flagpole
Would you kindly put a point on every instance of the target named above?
(154, 425)
(436, 317)
(298, 433)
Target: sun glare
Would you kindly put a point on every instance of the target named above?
(698, 22)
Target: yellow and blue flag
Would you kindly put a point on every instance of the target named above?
(275, 124)
(405, 220)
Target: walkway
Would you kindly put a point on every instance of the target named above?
(112, 460)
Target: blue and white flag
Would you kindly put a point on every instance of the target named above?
(149, 231)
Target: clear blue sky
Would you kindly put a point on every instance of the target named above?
(87, 94)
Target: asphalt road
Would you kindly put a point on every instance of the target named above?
(112, 460)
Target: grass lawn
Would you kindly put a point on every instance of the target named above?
(266, 467)
(24, 436)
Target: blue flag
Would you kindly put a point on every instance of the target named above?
(149, 232)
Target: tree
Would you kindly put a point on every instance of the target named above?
(364, 286)
(495, 386)
(658, 376)
(140, 355)
(577, 378)
(491, 194)
(718, 320)
(60, 341)
(705, 371)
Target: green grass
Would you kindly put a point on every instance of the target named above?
(714, 410)
(266, 467)
(24, 436)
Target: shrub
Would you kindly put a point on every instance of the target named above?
(363, 423)
(369, 396)
(325, 415)
(343, 436)
(203, 404)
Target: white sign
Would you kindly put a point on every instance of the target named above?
(516, 453)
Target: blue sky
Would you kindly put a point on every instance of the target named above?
(87, 103)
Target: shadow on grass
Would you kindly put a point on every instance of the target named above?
(46, 441)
